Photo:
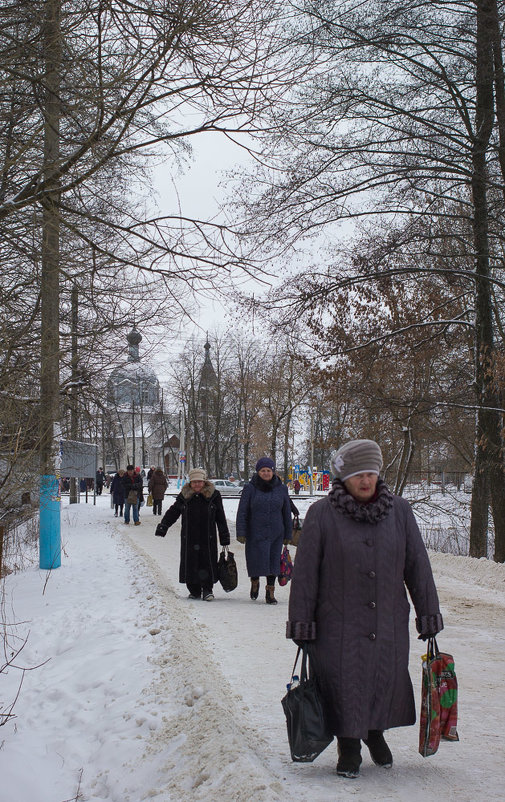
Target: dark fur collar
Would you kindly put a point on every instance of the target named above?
(208, 491)
(371, 513)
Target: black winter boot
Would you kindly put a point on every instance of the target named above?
(255, 587)
(269, 594)
(349, 757)
(379, 750)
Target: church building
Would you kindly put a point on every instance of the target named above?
(141, 433)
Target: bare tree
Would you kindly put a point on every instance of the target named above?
(94, 95)
(399, 123)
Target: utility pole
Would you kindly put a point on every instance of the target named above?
(50, 519)
(311, 451)
(182, 450)
(164, 437)
(74, 421)
(133, 433)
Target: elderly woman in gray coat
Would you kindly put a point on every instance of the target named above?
(359, 549)
(263, 523)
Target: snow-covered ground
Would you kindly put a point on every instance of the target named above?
(137, 693)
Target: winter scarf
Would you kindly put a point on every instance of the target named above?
(262, 484)
(372, 512)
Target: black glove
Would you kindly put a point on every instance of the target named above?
(160, 531)
(300, 643)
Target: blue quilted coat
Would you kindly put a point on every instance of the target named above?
(264, 519)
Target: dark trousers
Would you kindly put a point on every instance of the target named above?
(270, 579)
(157, 506)
(118, 508)
(196, 590)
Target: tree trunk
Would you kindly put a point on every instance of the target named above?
(407, 455)
(287, 432)
(488, 456)
(480, 510)
(497, 495)
(273, 440)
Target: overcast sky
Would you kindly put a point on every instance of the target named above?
(198, 192)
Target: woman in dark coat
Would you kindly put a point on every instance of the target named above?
(132, 482)
(117, 490)
(157, 486)
(359, 548)
(263, 523)
(201, 508)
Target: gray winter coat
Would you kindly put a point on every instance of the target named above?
(264, 520)
(348, 597)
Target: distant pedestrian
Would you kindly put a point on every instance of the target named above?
(157, 486)
(296, 486)
(100, 480)
(150, 472)
(201, 508)
(141, 473)
(263, 524)
(133, 490)
(117, 490)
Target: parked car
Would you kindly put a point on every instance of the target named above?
(225, 487)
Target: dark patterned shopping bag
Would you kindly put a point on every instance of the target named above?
(286, 567)
(439, 700)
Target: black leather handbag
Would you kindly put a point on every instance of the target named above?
(308, 730)
(227, 570)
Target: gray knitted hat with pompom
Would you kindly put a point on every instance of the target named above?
(356, 456)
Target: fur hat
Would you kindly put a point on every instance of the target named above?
(265, 462)
(197, 475)
(356, 456)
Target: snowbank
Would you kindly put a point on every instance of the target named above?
(149, 695)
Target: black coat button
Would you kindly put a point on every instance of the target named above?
(372, 605)
(372, 636)
(369, 542)
(371, 574)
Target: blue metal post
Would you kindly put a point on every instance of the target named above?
(50, 524)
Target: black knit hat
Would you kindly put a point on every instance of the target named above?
(265, 462)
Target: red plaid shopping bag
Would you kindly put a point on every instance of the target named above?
(439, 700)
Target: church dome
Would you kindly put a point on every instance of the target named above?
(133, 383)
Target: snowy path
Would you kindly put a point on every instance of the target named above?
(149, 695)
(247, 643)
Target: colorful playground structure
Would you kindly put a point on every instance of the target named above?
(320, 478)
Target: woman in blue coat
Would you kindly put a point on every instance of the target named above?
(263, 523)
